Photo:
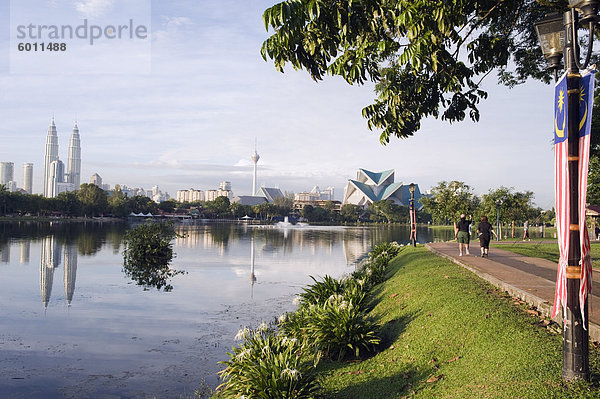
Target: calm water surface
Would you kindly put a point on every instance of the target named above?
(72, 325)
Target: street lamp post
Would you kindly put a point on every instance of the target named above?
(498, 203)
(413, 215)
(558, 38)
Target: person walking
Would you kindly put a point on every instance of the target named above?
(484, 232)
(461, 234)
(526, 231)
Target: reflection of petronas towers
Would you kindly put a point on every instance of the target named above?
(56, 179)
(51, 257)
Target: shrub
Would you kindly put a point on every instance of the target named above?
(338, 327)
(267, 365)
(320, 291)
(386, 251)
(148, 253)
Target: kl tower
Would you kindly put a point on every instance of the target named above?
(255, 158)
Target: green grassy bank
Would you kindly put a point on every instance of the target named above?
(448, 334)
(546, 251)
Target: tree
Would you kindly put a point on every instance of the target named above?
(148, 253)
(285, 203)
(68, 203)
(168, 205)
(93, 199)
(4, 198)
(307, 212)
(117, 202)
(220, 206)
(593, 192)
(141, 204)
(350, 212)
(449, 200)
(427, 58)
(387, 209)
(516, 207)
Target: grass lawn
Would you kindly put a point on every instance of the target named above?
(448, 334)
(545, 251)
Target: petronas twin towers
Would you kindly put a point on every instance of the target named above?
(56, 180)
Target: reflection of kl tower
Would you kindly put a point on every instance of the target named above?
(252, 276)
(255, 159)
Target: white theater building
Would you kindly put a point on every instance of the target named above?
(371, 187)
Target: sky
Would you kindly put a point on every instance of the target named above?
(183, 108)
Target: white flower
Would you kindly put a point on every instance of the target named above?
(288, 341)
(292, 373)
(243, 354)
(282, 318)
(262, 326)
(297, 300)
(242, 334)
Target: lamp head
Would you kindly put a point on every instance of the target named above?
(551, 34)
(587, 8)
(411, 188)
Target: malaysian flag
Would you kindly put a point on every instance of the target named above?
(562, 188)
(586, 103)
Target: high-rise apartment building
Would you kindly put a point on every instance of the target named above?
(28, 177)
(96, 179)
(7, 172)
(190, 195)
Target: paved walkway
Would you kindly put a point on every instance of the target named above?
(531, 279)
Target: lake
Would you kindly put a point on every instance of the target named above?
(72, 325)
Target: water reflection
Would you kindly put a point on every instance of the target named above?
(252, 275)
(51, 252)
(237, 275)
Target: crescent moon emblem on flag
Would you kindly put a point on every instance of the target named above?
(584, 118)
(560, 132)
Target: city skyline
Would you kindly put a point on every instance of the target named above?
(192, 121)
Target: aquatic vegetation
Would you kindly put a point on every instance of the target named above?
(148, 253)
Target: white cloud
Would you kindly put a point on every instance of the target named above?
(172, 28)
(94, 8)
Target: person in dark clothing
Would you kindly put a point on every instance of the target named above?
(461, 234)
(484, 232)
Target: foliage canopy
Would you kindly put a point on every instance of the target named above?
(427, 57)
(148, 253)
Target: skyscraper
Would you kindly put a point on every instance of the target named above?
(51, 156)
(74, 159)
(96, 179)
(28, 177)
(7, 174)
(57, 176)
(255, 158)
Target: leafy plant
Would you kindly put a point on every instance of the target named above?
(385, 251)
(148, 253)
(267, 365)
(338, 327)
